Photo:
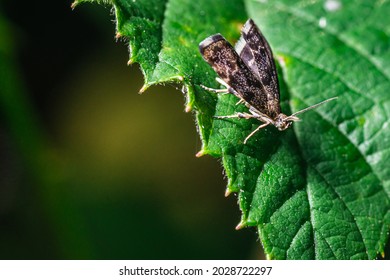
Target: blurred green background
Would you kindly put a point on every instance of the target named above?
(89, 168)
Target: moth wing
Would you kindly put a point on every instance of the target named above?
(256, 53)
(225, 61)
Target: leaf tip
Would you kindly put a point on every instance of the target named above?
(130, 61)
(178, 78)
(200, 153)
(188, 108)
(143, 89)
(74, 4)
(240, 225)
(228, 192)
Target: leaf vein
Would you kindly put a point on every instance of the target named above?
(346, 206)
(308, 18)
(339, 130)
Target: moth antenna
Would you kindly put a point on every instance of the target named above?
(313, 106)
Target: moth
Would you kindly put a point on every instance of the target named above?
(248, 71)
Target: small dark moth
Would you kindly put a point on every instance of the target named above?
(248, 71)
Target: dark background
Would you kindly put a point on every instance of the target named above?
(89, 168)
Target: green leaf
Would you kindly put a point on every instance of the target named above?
(319, 190)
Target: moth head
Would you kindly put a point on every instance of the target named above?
(282, 122)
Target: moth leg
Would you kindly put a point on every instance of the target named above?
(240, 102)
(222, 82)
(254, 131)
(237, 115)
(224, 90)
